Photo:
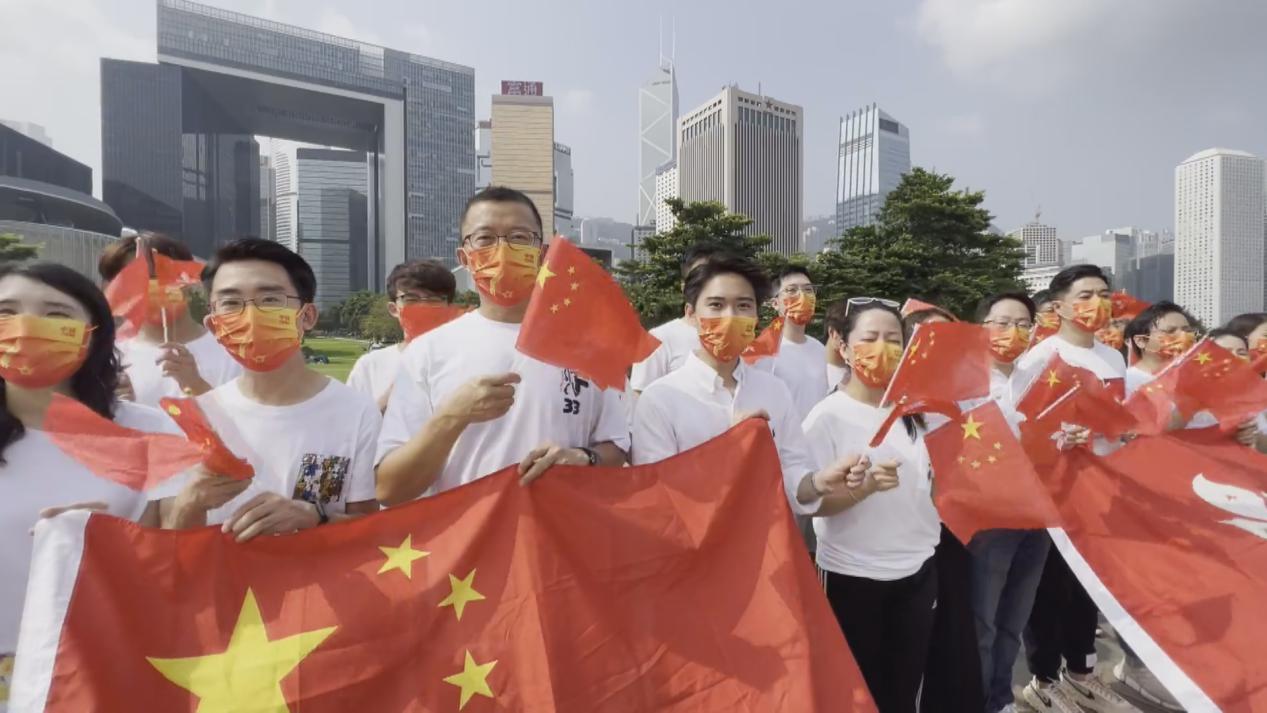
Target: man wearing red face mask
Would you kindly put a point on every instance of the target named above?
(799, 362)
(189, 362)
(310, 438)
(466, 403)
(713, 389)
(1063, 623)
(420, 296)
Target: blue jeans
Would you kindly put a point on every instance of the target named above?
(1006, 568)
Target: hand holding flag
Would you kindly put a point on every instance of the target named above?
(216, 455)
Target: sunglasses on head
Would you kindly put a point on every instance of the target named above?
(865, 301)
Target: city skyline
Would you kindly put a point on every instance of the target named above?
(1067, 105)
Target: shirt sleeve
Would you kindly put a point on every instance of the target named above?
(359, 377)
(653, 438)
(794, 455)
(408, 407)
(362, 486)
(650, 369)
(612, 424)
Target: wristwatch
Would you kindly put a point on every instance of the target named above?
(322, 516)
(591, 454)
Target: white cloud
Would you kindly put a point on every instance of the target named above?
(964, 126)
(977, 35)
(576, 103)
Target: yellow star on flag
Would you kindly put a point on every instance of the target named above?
(462, 593)
(576, 286)
(567, 301)
(571, 270)
(914, 350)
(402, 558)
(248, 674)
(544, 274)
(473, 680)
(998, 446)
(1052, 379)
(173, 409)
(976, 464)
(971, 428)
(554, 308)
(992, 459)
(1204, 358)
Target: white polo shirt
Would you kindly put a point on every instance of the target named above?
(374, 372)
(690, 406)
(140, 361)
(677, 340)
(801, 368)
(552, 404)
(888, 535)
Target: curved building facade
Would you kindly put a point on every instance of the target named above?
(68, 227)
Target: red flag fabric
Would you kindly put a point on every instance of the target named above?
(216, 455)
(676, 587)
(1125, 306)
(132, 458)
(767, 343)
(1206, 378)
(912, 306)
(1057, 379)
(579, 318)
(1169, 536)
(983, 479)
(138, 292)
(945, 363)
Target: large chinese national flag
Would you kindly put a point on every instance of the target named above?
(984, 479)
(1169, 535)
(677, 587)
(579, 318)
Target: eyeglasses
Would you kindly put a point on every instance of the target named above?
(487, 238)
(228, 306)
(864, 301)
(1022, 324)
(794, 290)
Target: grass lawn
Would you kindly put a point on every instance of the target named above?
(341, 352)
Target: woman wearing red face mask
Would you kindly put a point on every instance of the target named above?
(57, 337)
(876, 540)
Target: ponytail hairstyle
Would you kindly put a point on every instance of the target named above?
(95, 383)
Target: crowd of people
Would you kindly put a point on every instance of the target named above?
(934, 624)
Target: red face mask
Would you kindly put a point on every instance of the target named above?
(259, 340)
(39, 352)
(1174, 345)
(1092, 315)
(800, 309)
(418, 319)
(1009, 344)
(875, 363)
(504, 273)
(1111, 336)
(726, 337)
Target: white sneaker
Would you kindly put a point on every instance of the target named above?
(1092, 694)
(1144, 684)
(1049, 699)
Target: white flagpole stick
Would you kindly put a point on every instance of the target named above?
(163, 312)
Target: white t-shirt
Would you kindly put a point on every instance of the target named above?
(322, 448)
(552, 404)
(888, 535)
(140, 360)
(835, 375)
(37, 475)
(690, 406)
(1137, 378)
(678, 339)
(374, 373)
(800, 367)
(1105, 362)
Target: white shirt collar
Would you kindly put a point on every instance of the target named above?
(706, 376)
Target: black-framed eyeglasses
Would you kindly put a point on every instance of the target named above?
(865, 301)
(487, 238)
(1022, 324)
(794, 290)
(228, 306)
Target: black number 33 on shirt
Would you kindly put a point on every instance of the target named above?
(571, 386)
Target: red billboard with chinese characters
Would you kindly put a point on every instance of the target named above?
(521, 89)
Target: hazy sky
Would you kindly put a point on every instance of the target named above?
(1081, 106)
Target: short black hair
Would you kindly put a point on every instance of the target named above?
(1245, 324)
(701, 251)
(1225, 332)
(1064, 279)
(1144, 323)
(837, 313)
(296, 267)
(794, 270)
(987, 304)
(502, 194)
(120, 253)
(1041, 298)
(427, 275)
(716, 266)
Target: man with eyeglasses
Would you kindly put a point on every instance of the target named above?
(800, 359)
(412, 287)
(310, 438)
(466, 403)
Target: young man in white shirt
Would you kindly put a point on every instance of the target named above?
(414, 289)
(310, 438)
(714, 389)
(186, 361)
(678, 337)
(799, 362)
(1064, 618)
(466, 403)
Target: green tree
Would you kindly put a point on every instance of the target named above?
(12, 249)
(930, 242)
(356, 307)
(653, 282)
(380, 325)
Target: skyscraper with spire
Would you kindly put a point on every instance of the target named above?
(657, 129)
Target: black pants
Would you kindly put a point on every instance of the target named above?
(1062, 624)
(888, 626)
(952, 677)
